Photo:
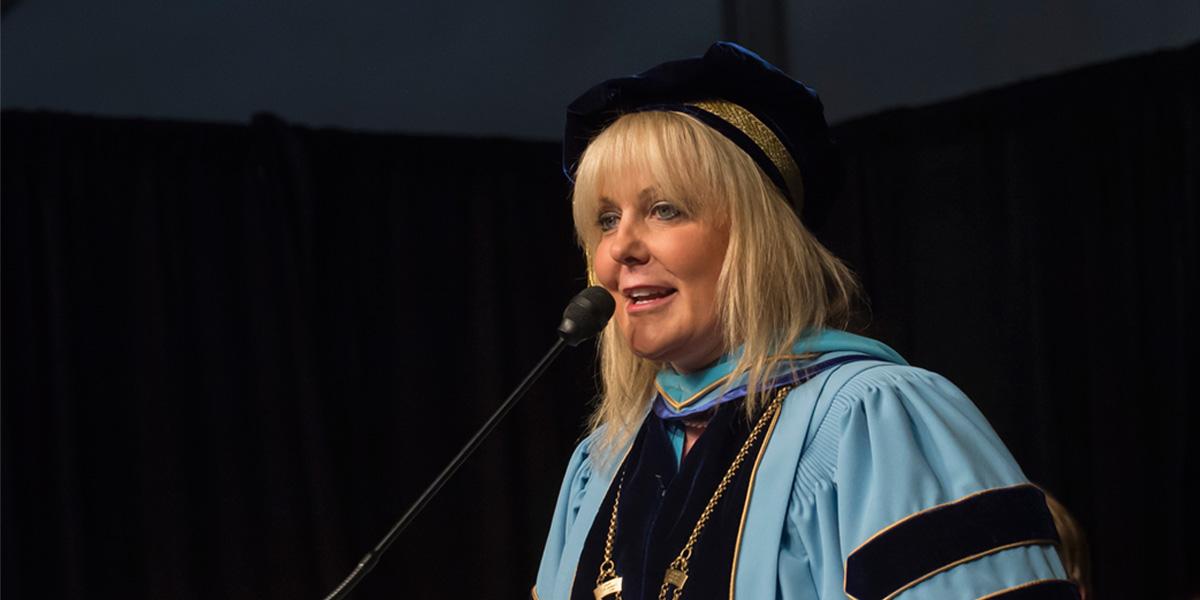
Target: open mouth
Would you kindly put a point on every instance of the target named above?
(647, 295)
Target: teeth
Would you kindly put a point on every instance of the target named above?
(644, 295)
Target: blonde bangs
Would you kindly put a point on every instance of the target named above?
(677, 151)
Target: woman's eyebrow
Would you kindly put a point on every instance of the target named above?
(648, 194)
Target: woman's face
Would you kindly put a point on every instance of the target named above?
(662, 266)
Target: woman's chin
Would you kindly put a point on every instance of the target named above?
(686, 354)
(649, 355)
(651, 351)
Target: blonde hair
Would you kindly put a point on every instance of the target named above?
(1073, 546)
(777, 282)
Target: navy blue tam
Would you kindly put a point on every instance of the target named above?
(775, 119)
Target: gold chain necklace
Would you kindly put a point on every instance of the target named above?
(608, 583)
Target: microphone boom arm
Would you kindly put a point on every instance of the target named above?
(371, 558)
(585, 315)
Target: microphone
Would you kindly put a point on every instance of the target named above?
(584, 317)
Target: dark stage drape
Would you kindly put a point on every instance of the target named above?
(233, 354)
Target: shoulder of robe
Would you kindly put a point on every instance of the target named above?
(898, 379)
(938, 502)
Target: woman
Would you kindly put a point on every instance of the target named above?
(744, 445)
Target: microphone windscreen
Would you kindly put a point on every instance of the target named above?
(586, 315)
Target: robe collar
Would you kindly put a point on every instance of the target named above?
(682, 394)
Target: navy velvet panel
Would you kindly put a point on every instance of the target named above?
(1057, 589)
(660, 505)
(936, 538)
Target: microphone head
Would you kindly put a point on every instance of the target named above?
(586, 315)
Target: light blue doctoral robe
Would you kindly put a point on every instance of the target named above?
(855, 450)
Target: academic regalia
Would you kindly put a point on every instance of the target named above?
(875, 480)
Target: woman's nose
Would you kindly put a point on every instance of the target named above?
(628, 247)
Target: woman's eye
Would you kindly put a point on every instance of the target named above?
(607, 221)
(665, 211)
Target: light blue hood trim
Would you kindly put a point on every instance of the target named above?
(680, 394)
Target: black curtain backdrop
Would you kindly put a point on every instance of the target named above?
(233, 354)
